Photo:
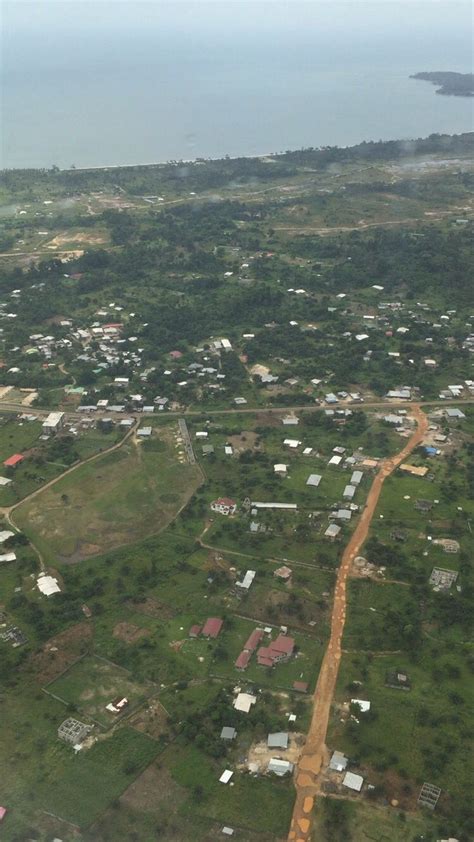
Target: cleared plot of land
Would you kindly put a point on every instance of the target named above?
(71, 789)
(92, 683)
(114, 500)
(342, 820)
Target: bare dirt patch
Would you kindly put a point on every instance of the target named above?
(79, 237)
(129, 633)
(260, 755)
(152, 607)
(151, 720)
(247, 440)
(152, 790)
(58, 653)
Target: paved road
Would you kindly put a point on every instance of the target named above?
(315, 753)
(16, 408)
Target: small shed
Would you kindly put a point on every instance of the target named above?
(353, 781)
(338, 762)
(228, 733)
(278, 740)
(280, 767)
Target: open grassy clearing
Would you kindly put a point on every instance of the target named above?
(362, 822)
(127, 494)
(44, 460)
(41, 773)
(92, 683)
(420, 734)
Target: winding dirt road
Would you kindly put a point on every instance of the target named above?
(315, 753)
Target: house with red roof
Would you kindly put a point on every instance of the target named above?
(13, 461)
(195, 631)
(212, 627)
(280, 649)
(242, 661)
(224, 506)
(253, 640)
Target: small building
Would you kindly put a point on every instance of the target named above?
(300, 686)
(335, 461)
(118, 705)
(278, 740)
(454, 414)
(228, 733)
(349, 492)
(13, 461)
(343, 514)
(247, 580)
(280, 767)
(226, 776)
(338, 762)
(48, 585)
(244, 701)
(332, 531)
(3, 812)
(280, 649)
(283, 573)
(212, 627)
(397, 680)
(314, 480)
(280, 469)
(363, 704)
(353, 781)
(357, 477)
(414, 470)
(195, 631)
(73, 732)
(224, 506)
(429, 796)
(144, 432)
(53, 423)
(242, 661)
(253, 640)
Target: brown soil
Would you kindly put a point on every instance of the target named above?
(47, 664)
(177, 645)
(129, 633)
(151, 720)
(315, 753)
(260, 753)
(80, 237)
(245, 441)
(152, 608)
(152, 790)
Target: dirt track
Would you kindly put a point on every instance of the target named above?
(315, 752)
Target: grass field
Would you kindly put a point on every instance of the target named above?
(70, 787)
(92, 683)
(366, 823)
(114, 500)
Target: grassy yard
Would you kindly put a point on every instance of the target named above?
(111, 501)
(92, 683)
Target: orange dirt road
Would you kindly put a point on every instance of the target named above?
(315, 752)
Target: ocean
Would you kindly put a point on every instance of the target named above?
(114, 83)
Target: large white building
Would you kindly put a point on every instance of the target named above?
(53, 423)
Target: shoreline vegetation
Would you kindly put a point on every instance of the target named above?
(451, 84)
(149, 180)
